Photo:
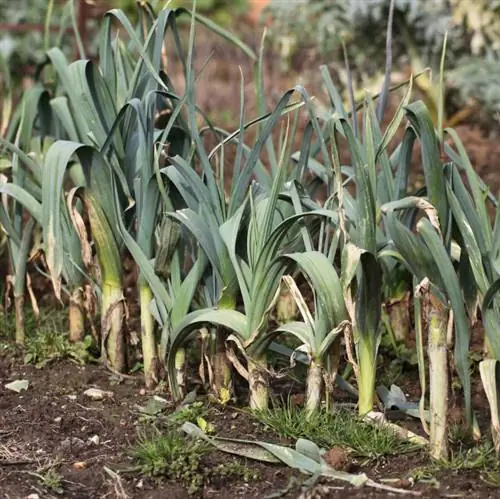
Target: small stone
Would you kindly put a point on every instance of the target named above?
(94, 440)
(142, 391)
(33, 496)
(58, 420)
(140, 484)
(72, 397)
(73, 442)
(79, 465)
(97, 394)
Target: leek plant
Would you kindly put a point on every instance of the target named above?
(254, 236)
(24, 175)
(209, 207)
(361, 235)
(479, 241)
(172, 296)
(114, 106)
(91, 176)
(428, 259)
(428, 255)
(31, 197)
(258, 277)
(321, 330)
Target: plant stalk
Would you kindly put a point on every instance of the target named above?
(437, 350)
(180, 366)
(314, 387)
(332, 364)
(76, 316)
(222, 367)
(148, 341)
(367, 373)
(258, 383)
(112, 326)
(112, 300)
(19, 309)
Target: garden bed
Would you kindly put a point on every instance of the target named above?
(71, 427)
(56, 442)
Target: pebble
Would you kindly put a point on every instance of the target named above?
(94, 440)
(97, 394)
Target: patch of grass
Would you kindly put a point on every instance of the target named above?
(57, 319)
(343, 428)
(49, 345)
(168, 454)
(481, 458)
(172, 456)
(46, 338)
(52, 480)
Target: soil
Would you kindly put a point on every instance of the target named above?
(54, 425)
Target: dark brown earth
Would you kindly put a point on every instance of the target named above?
(50, 424)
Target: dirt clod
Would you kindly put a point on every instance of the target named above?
(338, 459)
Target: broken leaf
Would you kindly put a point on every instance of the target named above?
(17, 385)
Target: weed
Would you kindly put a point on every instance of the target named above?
(172, 456)
(46, 338)
(480, 458)
(189, 413)
(31, 321)
(235, 470)
(49, 345)
(342, 428)
(50, 478)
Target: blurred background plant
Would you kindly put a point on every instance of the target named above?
(221, 11)
(472, 57)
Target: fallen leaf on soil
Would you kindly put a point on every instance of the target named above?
(97, 394)
(154, 406)
(18, 385)
(337, 458)
(379, 419)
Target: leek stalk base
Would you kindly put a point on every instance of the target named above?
(76, 316)
(314, 388)
(367, 373)
(180, 366)
(112, 327)
(19, 310)
(222, 367)
(437, 351)
(148, 341)
(258, 383)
